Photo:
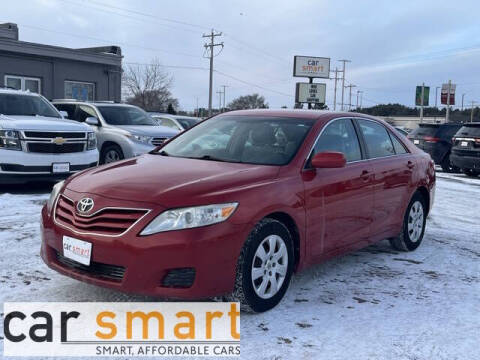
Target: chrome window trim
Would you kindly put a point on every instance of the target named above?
(148, 211)
(355, 161)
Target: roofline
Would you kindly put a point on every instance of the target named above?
(85, 55)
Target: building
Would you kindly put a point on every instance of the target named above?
(90, 74)
(411, 122)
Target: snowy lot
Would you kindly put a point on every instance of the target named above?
(372, 304)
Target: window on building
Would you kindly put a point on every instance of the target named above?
(23, 83)
(79, 90)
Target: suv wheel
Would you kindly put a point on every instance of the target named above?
(111, 153)
(413, 225)
(471, 172)
(447, 165)
(264, 267)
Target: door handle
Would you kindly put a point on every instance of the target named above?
(365, 175)
(410, 165)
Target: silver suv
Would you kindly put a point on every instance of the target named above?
(123, 131)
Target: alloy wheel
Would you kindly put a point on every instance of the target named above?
(111, 156)
(415, 221)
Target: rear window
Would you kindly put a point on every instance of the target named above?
(439, 131)
(469, 130)
(425, 131)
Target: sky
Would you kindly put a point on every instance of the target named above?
(392, 46)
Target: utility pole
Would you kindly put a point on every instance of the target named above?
(436, 94)
(198, 110)
(359, 92)
(335, 89)
(463, 95)
(350, 101)
(471, 111)
(421, 102)
(448, 100)
(211, 47)
(224, 87)
(220, 93)
(343, 79)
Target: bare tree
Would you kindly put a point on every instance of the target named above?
(148, 86)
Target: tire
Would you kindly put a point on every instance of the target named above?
(471, 173)
(447, 165)
(413, 225)
(111, 153)
(260, 294)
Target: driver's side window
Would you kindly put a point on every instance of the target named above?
(340, 136)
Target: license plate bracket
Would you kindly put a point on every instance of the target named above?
(77, 250)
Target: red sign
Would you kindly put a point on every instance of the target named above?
(444, 94)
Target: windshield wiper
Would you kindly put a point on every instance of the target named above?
(212, 158)
(163, 153)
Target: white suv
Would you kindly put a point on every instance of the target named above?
(37, 143)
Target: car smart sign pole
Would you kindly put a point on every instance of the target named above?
(310, 67)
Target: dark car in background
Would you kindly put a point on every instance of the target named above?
(466, 149)
(436, 140)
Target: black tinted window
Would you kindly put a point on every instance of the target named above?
(425, 130)
(376, 138)
(469, 130)
(340, 136)
(28, 105)
(68, 108)
(125, 115)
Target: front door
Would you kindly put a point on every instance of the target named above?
(338, 201)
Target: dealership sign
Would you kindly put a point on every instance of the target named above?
(122, 329)
(310, 93)
(311, 67)
(445, 91)
(418, 95)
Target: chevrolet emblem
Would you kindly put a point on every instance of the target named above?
(59, 141)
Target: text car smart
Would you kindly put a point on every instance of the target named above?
(236, 204)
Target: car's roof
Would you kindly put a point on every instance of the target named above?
(92, 103)
(17, 92)
(296, 113)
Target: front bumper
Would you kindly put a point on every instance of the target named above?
(212, 252)
(21, 167)
(465, 162)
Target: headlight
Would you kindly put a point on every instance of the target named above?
(140, 138)
(54, 195)
(191, 217)
(9, 140)
(91, 141)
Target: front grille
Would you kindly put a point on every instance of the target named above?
(46, 169)
(159, 141)
(107, 221)
(51, 148)
(53, 135)
(460, 152)
(179, 278)
(99, 270)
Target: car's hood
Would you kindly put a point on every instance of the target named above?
(147, 130)
(171, 181)
(17, 122)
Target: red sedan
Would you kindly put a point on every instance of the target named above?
(236, 204)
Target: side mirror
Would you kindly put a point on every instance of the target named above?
(329, 159)
(64, 114)
(92, 121)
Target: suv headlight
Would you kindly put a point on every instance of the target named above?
(190, 217)
(10, 140)
(140, 138)
(91, 141)
(54, 195)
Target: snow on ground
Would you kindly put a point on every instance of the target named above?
(371, 304)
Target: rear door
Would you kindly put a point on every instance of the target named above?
(393, 168)
(338, 201)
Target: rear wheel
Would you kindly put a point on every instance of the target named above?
(447, 165)
(471, 172)
(264, 267)
(111, 153)
(413, 225)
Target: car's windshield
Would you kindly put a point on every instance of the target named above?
(26, 105)
(244, 139)
(187, 123)
(125, 115)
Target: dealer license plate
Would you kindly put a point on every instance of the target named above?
(416, 142)
(60, 168)
(77, 250)
(464, 143)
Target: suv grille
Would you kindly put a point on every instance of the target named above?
(111, 272)
(51, 148)
(53, 135)
(159, 141)
(106, 222)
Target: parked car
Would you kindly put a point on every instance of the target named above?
(287, 190)
(436, 139)
(466, 149)
(36, 143)
(176, 122)
(123, 131)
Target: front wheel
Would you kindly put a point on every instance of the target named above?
(470, 172)
(413, 225)
(111, 153)
(264, 267)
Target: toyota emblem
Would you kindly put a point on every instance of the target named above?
(85, 205)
